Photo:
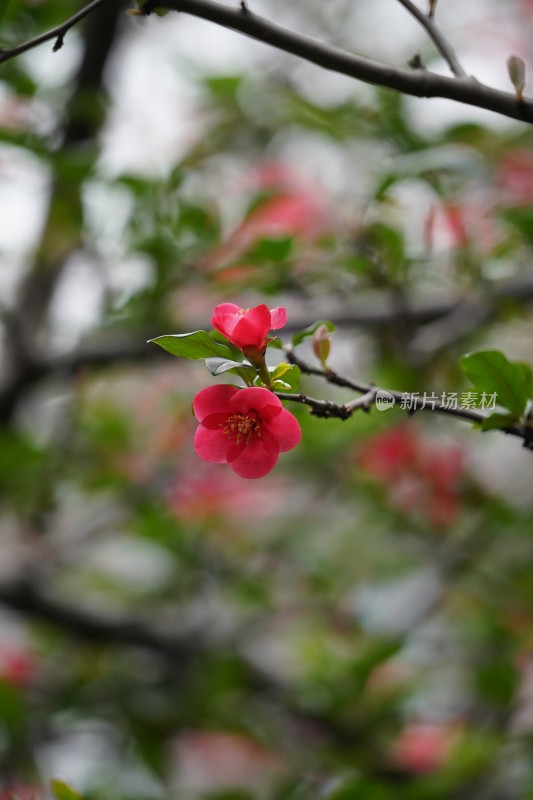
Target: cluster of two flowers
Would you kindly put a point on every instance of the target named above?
(245, 428)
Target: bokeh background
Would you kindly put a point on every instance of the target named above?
(358, 625)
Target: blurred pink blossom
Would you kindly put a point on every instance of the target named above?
(423, 747)
(215, 760)
(17, 665)
(421, 474)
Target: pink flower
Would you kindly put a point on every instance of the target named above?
(245, 428)
(247, 327)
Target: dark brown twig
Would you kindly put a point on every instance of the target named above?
(437, 38)
(419, 83)
(428, 402)
(57, 33)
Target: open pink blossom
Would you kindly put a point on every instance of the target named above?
(247, 327)
(245, 428)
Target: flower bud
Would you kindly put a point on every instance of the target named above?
(517, 73)
(322, 343)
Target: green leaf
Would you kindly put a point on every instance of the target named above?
(491, 372)
(521, 217)
(279, 371)
(288, 374)
(236, 354)
(4, 10)
(497, 680)
(299, 336)
(197, 344)
(496, 421)
(272, 249)
(217, 366)
(62, 791)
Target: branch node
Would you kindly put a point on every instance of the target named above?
(244, 7)
(59, 42)
(144, 9)
(416, 62)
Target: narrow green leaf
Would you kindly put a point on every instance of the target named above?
(62, 791)
(490, 371)
(197, 344)
(299, 336)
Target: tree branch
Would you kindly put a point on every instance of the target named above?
(33, 368)
(22, 595)
(418, 83)
(57, 33)
(437, 38)
(428, 402)
(367, 312)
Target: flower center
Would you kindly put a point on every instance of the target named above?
(242, 426)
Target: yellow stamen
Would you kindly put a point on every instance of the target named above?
(242, 426)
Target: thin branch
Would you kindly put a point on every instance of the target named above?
(419, 83)
(428, 402)
(57, 33)
(22, 595)
(437, 38)
(325, 409)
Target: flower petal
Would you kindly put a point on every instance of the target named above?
(234, 449)
(254, 461)
(252, 328)
(215, 421)
(213, 400)
(269, 412)
(211, 445)
(270, 442)
(278, 318)
(225, 323)
(225, 317)
(258, 399)
(285, 429)
(227, 308)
